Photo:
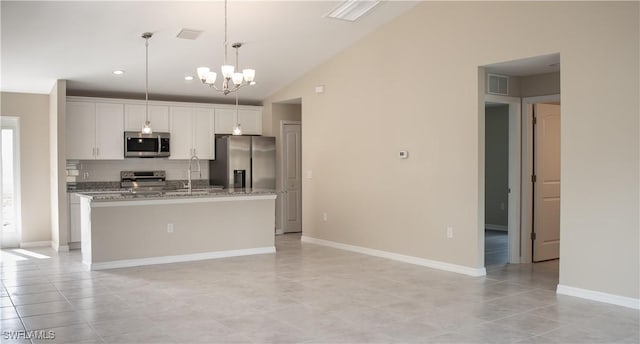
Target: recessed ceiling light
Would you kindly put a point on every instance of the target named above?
(118, 72)
(351, 10)
(188, 78)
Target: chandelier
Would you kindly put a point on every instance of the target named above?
(232, 78)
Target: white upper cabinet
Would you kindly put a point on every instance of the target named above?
(135, 116)
(225, 120)
(81, 130)
(181, 127)
(192, 133)
(204, 133)
(95, 131)
(250, 121)
(95, 126)
(109, 131)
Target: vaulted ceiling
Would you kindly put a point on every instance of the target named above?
(84, 42)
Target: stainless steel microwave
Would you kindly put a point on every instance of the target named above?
(139, 145)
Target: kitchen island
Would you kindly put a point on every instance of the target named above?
(123, 229)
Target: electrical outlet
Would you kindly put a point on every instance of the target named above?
(324, 216)
(309, 174)
(450, 232)
(169, 227)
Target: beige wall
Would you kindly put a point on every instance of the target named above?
(496, 165)
(33, 110)
(278, 113)
(540, 85)
(59, 204)
(369, 112)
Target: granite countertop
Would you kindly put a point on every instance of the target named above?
(121, 195)
(83, 187)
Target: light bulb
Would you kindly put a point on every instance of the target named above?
(237, 78)
(211, 78)
(237, 129)
(203, 72)
(227, 71)
(249, 74)
(146, 129)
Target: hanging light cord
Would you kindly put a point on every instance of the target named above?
(146, 86)
(236, 107)
(225, 32)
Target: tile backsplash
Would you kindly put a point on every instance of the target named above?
(109, 170)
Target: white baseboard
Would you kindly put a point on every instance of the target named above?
(599, 296)
(32, 244)
(59, 248)
(399, 257)
(496, 227)
(279, 231)
(75, 245)
(125, 263)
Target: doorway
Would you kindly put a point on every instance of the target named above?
(10, 182)
(502, 180)
(496, 184)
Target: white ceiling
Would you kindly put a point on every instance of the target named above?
(83, 42)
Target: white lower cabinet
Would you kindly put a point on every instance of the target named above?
(250, 121)
(135, 115)
(74, 218)
(192, 132)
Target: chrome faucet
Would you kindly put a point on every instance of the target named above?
(190, 171)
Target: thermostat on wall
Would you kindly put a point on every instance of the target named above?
(403, 154)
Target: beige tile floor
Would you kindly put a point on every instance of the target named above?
(303, 294)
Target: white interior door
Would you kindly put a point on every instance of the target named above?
(546, 202)
(292, 159)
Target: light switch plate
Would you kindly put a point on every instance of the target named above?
(403, 154)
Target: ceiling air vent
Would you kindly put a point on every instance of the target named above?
(497, 84)
(188, 34)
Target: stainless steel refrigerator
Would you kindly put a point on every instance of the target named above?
(244, 162)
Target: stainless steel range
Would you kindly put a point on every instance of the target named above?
(143, 181)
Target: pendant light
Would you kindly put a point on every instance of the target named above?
(146, 128)
(237, 129)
